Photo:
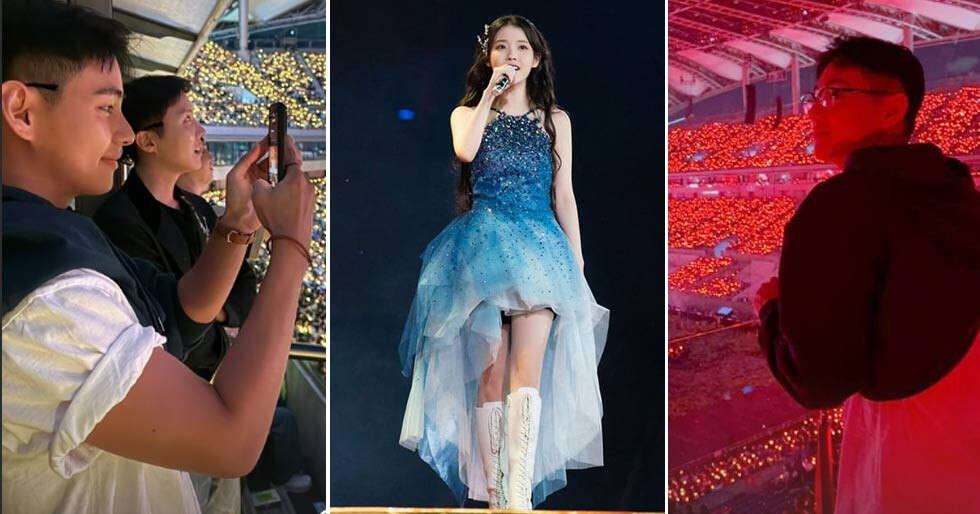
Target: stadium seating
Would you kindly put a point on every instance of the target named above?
(754, 224)
(950, 120)
(229, 91)
(689, 277)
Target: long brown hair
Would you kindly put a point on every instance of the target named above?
(540, 92)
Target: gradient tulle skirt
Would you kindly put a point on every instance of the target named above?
(484, 264)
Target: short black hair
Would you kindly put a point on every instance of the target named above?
(883, 58)
(147, 100)
(49, 42)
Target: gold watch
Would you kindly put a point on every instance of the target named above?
(230, 235)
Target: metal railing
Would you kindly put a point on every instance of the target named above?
(308, 352)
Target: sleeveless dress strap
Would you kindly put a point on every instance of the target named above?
(499, 112)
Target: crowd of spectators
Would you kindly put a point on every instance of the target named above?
(289, 74)
(719, 146)
(318, 63)
(689, 274)
(229, 91)
(953, 123)
(751, 226)
(739, 462)
(790, 493)
(691, 277)
(950, 120)
(754, 225)
(720, 287)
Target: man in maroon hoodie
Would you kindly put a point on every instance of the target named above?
(878, 296)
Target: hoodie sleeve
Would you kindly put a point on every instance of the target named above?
(817, 336)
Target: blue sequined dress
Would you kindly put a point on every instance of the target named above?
(506, 255)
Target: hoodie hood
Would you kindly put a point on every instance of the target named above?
(927, 195)
(919, 164)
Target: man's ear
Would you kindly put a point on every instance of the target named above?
(894, 108)
(146, 141)
(19, 105)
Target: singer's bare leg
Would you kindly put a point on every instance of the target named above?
(491, 386)
(529, 339)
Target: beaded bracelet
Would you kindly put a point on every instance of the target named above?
(296, 244)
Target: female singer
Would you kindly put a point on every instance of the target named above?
(504, 334)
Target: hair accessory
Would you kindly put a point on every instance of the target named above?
(485, 39)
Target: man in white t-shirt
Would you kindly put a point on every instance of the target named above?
(97, 416)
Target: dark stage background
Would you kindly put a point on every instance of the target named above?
(392, 191)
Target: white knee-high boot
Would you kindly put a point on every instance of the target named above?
(489, 427)
(523, 421)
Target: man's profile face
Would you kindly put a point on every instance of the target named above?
(853, 119)
(80, 136)
(199, 180)
(180, 143)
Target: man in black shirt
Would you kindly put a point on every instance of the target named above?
(151, 218)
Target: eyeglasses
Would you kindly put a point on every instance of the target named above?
(54, 87)
(827, 96)
(151, 126)
(49, 87)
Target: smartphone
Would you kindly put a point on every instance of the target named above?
(277, 141)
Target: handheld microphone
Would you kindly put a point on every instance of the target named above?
(501, 84)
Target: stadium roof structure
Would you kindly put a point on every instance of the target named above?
(715, 45)
(169, 34)
(303, 19)
(261, 12)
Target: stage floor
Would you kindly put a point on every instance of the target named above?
(402, 510)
